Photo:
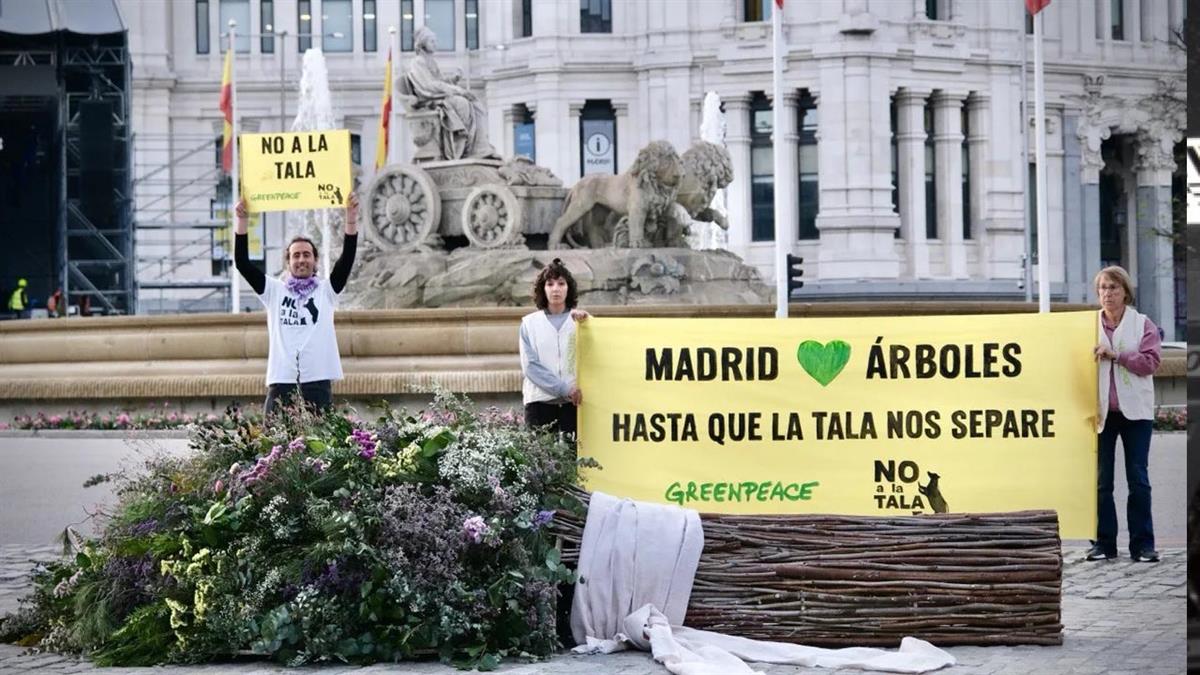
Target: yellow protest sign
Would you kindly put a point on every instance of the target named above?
(303, 170)
(864, 416)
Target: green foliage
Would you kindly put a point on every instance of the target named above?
(322, 538)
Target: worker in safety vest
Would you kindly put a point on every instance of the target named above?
(18, 302)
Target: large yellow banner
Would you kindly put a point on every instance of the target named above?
(867, 416)
(303, 170)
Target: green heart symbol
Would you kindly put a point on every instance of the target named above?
(823, 361)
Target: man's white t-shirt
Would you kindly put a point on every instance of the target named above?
(302, 344)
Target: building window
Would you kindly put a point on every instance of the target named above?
(931, 226)
(762, 170)
(524, 132)
(471, 23)
(370, 30)
(598, 138)
(809, 186)
(267, 13)
(595, 16)
(966, 175)
(439, 17)
(337, 26)
(1117, 18)
(937, 10)
(525, 19)
(239, 11)
(356, 149)
(304, 23)
(1033, 213)
(756, 10)
(1028, 23)
(202, 46)
(893, 116)
(406, 25)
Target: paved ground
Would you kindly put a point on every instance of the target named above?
(1120, 617)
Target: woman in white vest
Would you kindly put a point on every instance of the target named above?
(1128, 350)
(547, 346)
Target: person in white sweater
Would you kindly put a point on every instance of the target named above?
(547, 345)
(1128, 350)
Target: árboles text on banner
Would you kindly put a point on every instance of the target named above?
(302, 170)
(867, 416)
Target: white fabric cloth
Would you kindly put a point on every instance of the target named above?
(637, 557)
(554, 348)
(1135, 393)
(302, 346)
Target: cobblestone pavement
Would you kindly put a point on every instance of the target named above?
(1120, 617)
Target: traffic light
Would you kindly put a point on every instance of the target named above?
(795, 272)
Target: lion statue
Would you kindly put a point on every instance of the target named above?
(707, 168)
(644, 196)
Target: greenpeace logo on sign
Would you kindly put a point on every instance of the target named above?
(274, 196)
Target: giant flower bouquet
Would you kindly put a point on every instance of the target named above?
(310, 539)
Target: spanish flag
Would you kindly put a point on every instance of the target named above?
(385, 118)
(227, 110)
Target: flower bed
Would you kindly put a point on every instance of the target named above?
(156, 418)
(1170, 419)
(311, 539)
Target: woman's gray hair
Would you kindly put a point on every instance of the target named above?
(1119, 275)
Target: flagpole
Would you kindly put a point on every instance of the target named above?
(393, 55)
(783, 237)
(235, 277)
(1027, 268)
(1039, 113)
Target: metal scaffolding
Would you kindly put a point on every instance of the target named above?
(96, 259)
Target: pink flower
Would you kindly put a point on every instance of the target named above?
(55, 420)
(123, 420)
(219, 485)
(3, 425)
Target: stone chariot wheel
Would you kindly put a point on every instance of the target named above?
(403, 208)
(492, 217)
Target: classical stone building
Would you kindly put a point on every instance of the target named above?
(903, 129)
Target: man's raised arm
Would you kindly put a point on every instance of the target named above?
(241, 252)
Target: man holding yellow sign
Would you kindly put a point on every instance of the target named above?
(303, 170)
(862, 416)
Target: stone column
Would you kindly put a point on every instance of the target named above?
(737, 140)
(977, 153)
(1076, 230)
(1003, 220)
(506, 140)
(856, 222)
(569, 142)
(947, 139)
(789, 182)
(1156, 264)
(910, 150)
(626, 143)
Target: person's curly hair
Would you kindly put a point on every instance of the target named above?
(555, 270)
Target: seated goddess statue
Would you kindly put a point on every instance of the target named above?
(461, 118)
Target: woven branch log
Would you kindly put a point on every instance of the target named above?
(835, 581)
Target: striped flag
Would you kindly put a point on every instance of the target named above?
(385, 118)
(227, 111)
(1035, 6)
